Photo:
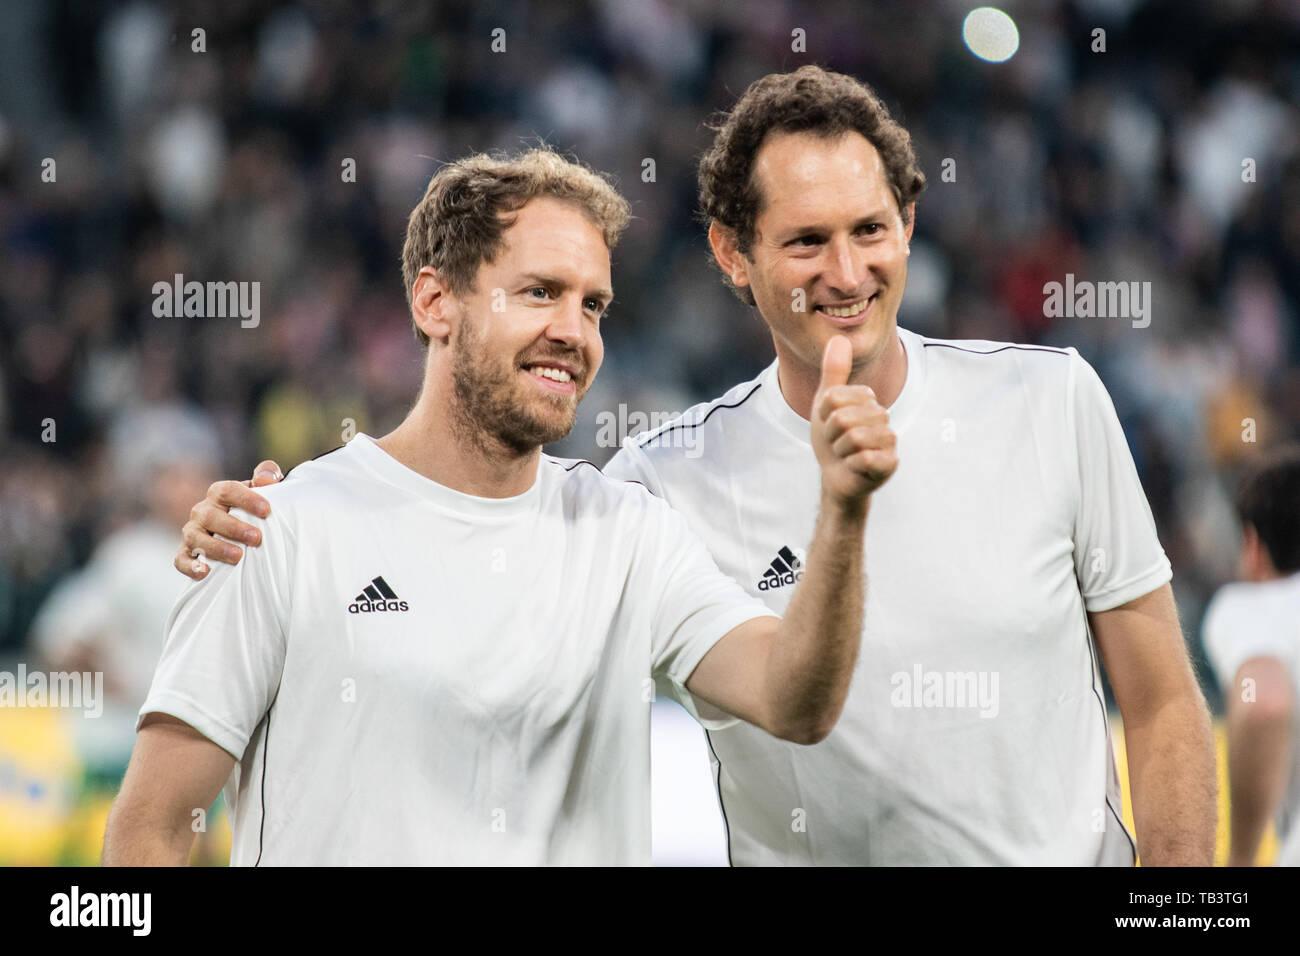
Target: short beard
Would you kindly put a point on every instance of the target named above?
(487, 410)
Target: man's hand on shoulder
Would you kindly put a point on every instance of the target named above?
(212, 517)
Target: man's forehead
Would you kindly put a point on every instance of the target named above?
(550, 235)
(792, 169)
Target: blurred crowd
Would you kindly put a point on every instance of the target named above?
(1173, 156)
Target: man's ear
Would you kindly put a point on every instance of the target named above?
(430, 306)
(730, 259)
(911, 222)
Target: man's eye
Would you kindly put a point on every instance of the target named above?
(871, 228)
(539, 288)
(807, 241)
(593, 305)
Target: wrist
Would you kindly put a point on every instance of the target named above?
(852, 509)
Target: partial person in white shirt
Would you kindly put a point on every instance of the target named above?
(109, 617)
(1252, 637)
(1012, 556)
(445, 648)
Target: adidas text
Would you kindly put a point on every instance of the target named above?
(790, 577)
(366, 607)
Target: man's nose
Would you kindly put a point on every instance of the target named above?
(568, 324)
(844, 271)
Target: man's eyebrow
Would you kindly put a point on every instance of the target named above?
(794, 232)
(542, 279)
(604, 293)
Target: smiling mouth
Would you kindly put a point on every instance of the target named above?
(850, 310)
(549, 372)
(552, 377)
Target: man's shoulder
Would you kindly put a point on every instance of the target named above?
(1225, 603)
(586, 489)
(681, 436)
(991, 354)
(331, 479)
(1254, 600)
(702, 413)
(580, 478)
(1248, 619)
(1044, 373)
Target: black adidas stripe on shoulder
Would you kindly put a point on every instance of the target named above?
(289, 474)
(1022, 348)
(623, 481)
(682, 423)
(330, 452)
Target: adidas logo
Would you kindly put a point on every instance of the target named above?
(786, 568)
(377, 596)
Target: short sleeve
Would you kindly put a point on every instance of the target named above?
(695, 605)
(1241, 623)
(1117, 554)
(226, 642)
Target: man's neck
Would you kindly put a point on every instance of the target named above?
(429, 443)
(885, 376)
(1263, 575)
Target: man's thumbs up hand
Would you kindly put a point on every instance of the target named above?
(855, 446)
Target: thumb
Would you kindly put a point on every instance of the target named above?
(837, 362)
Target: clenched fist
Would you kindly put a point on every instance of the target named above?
(855, 446)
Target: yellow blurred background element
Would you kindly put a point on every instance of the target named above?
(1268, 846)
(49, 816)
(50, 813)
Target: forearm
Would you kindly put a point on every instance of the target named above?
(816, 647)
(1259, 753)
(1173, 782)
(174, 772)
(132, 839)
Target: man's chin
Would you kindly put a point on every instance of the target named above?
(552, 432)
(869, 340)
(544, 426)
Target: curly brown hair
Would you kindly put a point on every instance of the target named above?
(461, 221)
(809, 100)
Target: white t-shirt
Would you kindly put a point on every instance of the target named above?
(411, 675)
(118, 604)
(1250, 619)
(975, 730)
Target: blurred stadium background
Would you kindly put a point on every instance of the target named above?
(226, 165)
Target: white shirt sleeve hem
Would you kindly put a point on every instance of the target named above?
(183, 708)
(708, 716)
(1129, 590)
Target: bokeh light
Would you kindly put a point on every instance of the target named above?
(990, 34)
